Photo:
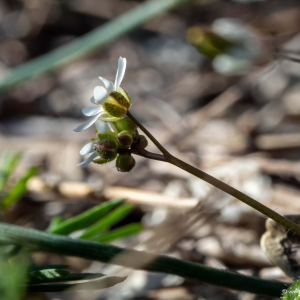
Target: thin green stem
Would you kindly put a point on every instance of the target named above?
(235, 193)
(167, 157)
(150, 136)
(42, 241)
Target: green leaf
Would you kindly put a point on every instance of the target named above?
(105, 223)
(82, 276)
(101, 283)
(85, 219)
(45, 267)
(93, 40)
(118, 233)
(12, 277)
(9, 161)
(15, 194)
(58, 275)
(54, 223)
(42, 241)
(293, 291)
(47, 275)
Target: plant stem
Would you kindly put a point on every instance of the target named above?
(235, 193)
(167, 157)
(42, 241)
(150, 136)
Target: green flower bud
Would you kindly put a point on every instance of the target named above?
(104, 136)
(102, 161)
(124, 138)
(106, 148)
(125, 124)
(125, 162)
(143, 141)
(207, 42)
(135, 136)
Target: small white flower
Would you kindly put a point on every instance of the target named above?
(103, 127)
(100, 95)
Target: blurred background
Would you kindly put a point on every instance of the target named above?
(230, 108)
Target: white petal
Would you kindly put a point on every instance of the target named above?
(85, 163)
(100, 93)
(102, 127)
(91, 111)
(87, 124)
(120, 72)
(93, 100)
(88, 148)
(108, 85)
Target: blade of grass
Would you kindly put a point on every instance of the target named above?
(105, 223)
(9, 161)
(101, 283)
(15, 194)
(85, 219)
(47, 275)
(46, 267)
(88, 42)
(42, 241)
(39, 277)
(54, 223)
(118, 233)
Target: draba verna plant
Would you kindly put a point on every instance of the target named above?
(117, 137)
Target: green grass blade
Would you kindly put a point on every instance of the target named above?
(88, 42)
(46, 267)
(101, 283)
(85, 219)
(293, 292)
(47, 275)
(105, 223)
(42, 241)
(54, 223)
(118, 233)
(9, 161)
(12, 277)
(15, 194)
(83, 276)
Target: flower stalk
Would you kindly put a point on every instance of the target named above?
(169, 158)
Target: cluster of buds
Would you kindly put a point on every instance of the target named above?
(231, 45)
(123, 136)
(115, 132)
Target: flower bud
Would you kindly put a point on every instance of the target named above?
(207, 42)
(104, 136)
(143, 141)
(125, 162)
(106, 148)
(102, 161)
(124, 138)
(135, 136)
(125, 124)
